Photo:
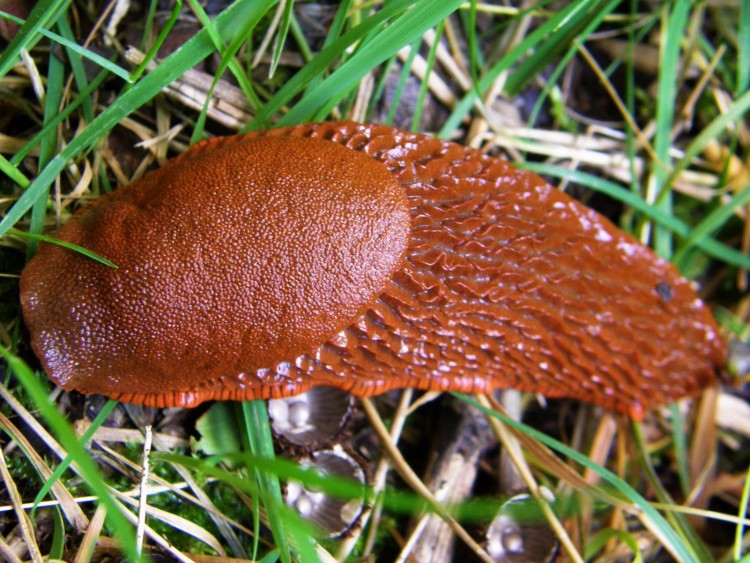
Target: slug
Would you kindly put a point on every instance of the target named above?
(365, 258)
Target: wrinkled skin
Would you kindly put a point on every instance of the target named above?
(470, 275)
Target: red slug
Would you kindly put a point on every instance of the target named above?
(364, 258)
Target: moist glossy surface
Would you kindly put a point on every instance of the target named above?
(232, 257)
(506, 282)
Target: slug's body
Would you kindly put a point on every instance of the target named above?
(447, 269)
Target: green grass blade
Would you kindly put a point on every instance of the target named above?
(673, 30)
(79, 74)
(165, 29)
(57, 549)
(334, 33)
(11, 171)
(71, 45)
(680, 447)
(602, 538)
(53, 99)
(743, 510)
(472, 510)
(711, 223)
(743, 48)
(64, 244)
(710, 132)
(299, 37)
(677, 520)
(44, 13)
(281, 35)
(416, 123)
(476, 60)
(398, 91)
(227, 61)
(377, 96)
(227, 53)
(260, 441)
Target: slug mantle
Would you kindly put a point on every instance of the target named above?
(364, 258)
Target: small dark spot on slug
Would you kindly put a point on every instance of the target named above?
(664, 291)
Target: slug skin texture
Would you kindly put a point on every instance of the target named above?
(364, 258)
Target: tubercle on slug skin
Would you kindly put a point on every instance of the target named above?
(506, 282)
